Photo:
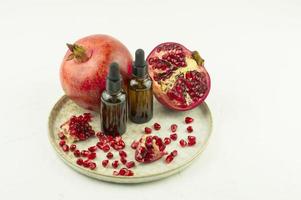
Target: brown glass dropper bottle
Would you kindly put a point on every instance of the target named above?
(140, 91)
(113, 108)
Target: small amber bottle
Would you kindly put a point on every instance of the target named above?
(113, 109)
(140, 91)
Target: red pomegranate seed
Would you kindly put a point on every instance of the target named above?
(130, 164)
(61, 135)
(79, 161)
(183, 143)
(191, 138)
(122, 154)
(65, 148)
(105, 163)
(92, 165)
(123, 160)
(174, 153)
(191, 143)
(147, 130)
(188, 120)
(189, 129)
(169, 158)
(72, 147)
(174, 136)
(173, 128)
(109, 155)
(115, 164)
(106, 148)
(84, 153)
(86, 163)
(62, 143)
(92, 156)
(76, 153)
(134, 144)
(122, 172)
(92, 149)
(157, 126)
(167, 141)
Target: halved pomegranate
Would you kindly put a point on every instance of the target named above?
(150, 149)
(180, 80)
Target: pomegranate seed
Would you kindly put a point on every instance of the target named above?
(191, 138)
(122, 154)
(122, 172)
(92, 165)
(92, 149)
(61, 135)
(86, 163)
(173, 128)
(109, 155)
(92, 156)
(62, 143)
(157, 126)
(191, 143)
(183, 143)
(167, 141)
(105, 163)
(106, 148)
(169, 158)
(174, 153)
(174, 136)
(76, 153)
(84, 153)
(115, 164)
(123, 160)
(188, 120)
(134, 144)
(147, 130)
(79, 161)
(65, 148)
(130, 164)
(189, 129)
(72, 147)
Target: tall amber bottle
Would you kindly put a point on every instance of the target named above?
(113, 109)
(140, 91)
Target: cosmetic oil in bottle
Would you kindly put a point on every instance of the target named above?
(113, 108)
(140, 91)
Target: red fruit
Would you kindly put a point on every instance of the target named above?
(72, 147)
(157, 126)
(92, 165)
(134, 144)
(191, 138)
(106, 148)
(188, 120)
(78, 127)
(174, 136)
(86, 163)
(122, 172)
(79, 161)
(150, 149)
(167, 141)
(191, 143)
(84, 153)
(61, 135)
(174, 153)
(169, 158)
(183, 143)
(76, 153)
(118, 143)
(62, 143)
(109, 155)
(123, 160)
(85, 67)
(130, 164)
(122, 154)
(147, 130)
(65, 147)
(115, 164)
(173, 128)
(92, 156)
(189, 129)
(180, 80)
(92, 149)
(105, 163)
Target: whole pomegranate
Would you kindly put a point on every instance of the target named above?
(85, 66)
(180, 80)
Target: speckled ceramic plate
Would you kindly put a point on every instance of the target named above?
(202, 126)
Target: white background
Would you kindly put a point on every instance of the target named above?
(252, 50)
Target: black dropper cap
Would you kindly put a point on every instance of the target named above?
(140, 66)
(113, 83)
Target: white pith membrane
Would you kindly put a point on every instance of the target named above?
(170, 82)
